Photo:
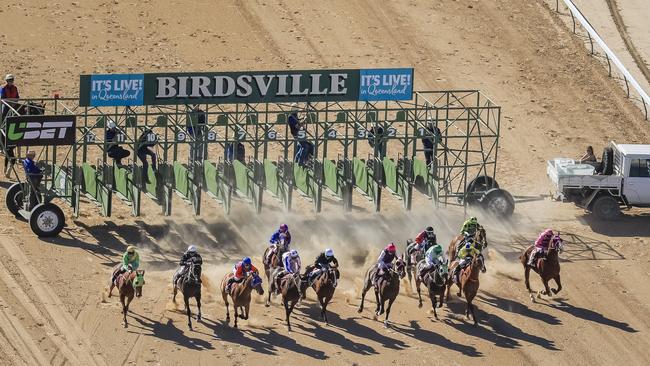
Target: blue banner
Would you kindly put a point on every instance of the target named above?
(385, 84)
(117, 90)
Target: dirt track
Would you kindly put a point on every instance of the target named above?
(555, 99)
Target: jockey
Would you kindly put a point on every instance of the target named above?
(541, 246)
(385, 261)
(433, 258)
(240, 271)
(466, 253)
(323, 262)
(470, 226)
(290, 265)
(282, 236)
(426, 239)
(190, 255)
(130, 261)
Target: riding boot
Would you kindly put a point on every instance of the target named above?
(531, 259)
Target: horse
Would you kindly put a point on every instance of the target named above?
(240, 294)
(129, 284)
(547, 267)
(291, 286)
(412, 263)
(436, 282)
(480, 238)
(324, 286)
(387, 287)
(190, 285)
(469, 283)
(274, 261)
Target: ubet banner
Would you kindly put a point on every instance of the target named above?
(246, 87)
(40, 130)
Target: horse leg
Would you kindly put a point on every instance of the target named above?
(187, 309)
(379, 304)
(527, 280)
(559, 284)
(198, 305)
(124, 310)
(174, 297)
(325, 302)
(390, 304)
(110, 289)
(547, 289)
(433, 304)
(247, 308)
(287, 311)
(417, 286)
(236, 314)
(363, 297)
(268, 298)
(470, 308)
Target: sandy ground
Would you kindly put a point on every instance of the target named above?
(555, 98)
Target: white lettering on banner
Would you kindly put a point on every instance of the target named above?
(166, 87)
(337, 85)
(244, 84)
(200, 86)
(261, 85)
(295, 85)
(282, 85)
(315, 85)
(220, 91)
(181, 91)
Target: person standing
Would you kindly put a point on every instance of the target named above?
(8, 91)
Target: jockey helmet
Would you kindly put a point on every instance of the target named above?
(284, 228)
(191, 249)
(391, 248)
(548, 233)
(473, 220)
(293, 253)
(9, 77)
(247, 261)
(329, 253)
(111, 124)
(409, 241)
(429, 230)
(130, 249)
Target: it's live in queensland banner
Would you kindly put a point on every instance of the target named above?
(246, 87)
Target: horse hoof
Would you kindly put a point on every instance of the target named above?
(419, 305)
(359, 310)
(125, 325)
(267, 305)
(385, 323)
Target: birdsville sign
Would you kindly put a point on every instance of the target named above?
(246, 87)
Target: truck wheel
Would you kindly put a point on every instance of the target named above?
(14, 198)
(478, 186)
(46, 220)
(498, 202)
(606, 208)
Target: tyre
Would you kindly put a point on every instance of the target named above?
(478, 186)
(14, 198)
(498, 202)
(46, 220)
(606, 207)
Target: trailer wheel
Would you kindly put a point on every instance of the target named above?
(479, 185)
(498, 202)
(46, 220)
(606, 208)
(14, 198)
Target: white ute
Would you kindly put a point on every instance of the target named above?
(622, 178)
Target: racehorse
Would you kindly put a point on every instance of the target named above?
(469, 283)
(436, 283)
(129, 284)
(291, 286)
(190, 285)
(480, 238)
(547, 267)
(386, 289)
(240, 294)
(412, 263)
(274, 261)
(324, 286)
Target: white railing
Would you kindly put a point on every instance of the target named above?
(609, 54)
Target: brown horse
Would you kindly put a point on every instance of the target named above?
(240, 293)
(129, 284)
(291, 286)
(480, 238)
(386, 289)
(436, 282)
(469, 283)
(273, 262)
(324, 286)
(547, 267)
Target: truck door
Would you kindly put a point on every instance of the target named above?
(637, 184)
